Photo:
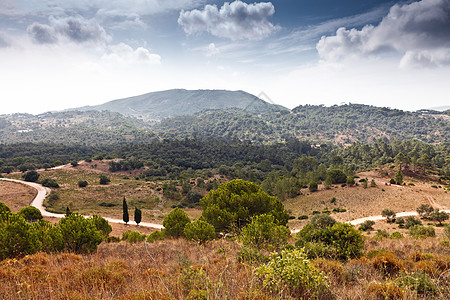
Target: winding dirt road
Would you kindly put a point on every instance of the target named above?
(38, 202)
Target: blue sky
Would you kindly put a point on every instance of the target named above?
(67, 53)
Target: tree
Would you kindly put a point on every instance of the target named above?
(31, 176)
(80, 234)
(125, 216)
(262, 232)
(439, 216)
(402, 159)
(50, 182)
(373, 183)
(30, 213)
(137, 215)
(102, 225)
(104, 180)
(68, 212)
(322, 221)
(388, 214)
(175, 222)
(336, 176)
(398, 177)
(425, 210)
(234, 203)
(199, 231)
(350, 181)
(4, 208)
(82, 183)
(313, 186)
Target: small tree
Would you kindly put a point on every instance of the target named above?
(68, 212)
(410, 221)
(104, 180)
(175, 222)
(373, 183)
(399, 177)
(322, 221)
(366, 225)
(30, 213)
(313, 186)
(262, 232)
(31, 176)
(80, 235)
(125, 216)
(50, 182)
(199, 231)
(425, 210)
(439, 216)
(102, 225)
(137, 215)
(350, 181)
(82, 183)
(389, 214)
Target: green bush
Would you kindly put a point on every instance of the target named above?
(102, 225)
(382, 234)
(133, 236)
(104, 180)
(396, 235)
(263, 233)
(30, 213)
(31, 176)
(251, 255)
(156, 236)
(80, 235)
(410, 221)
(418, 282)
(233, 204)
(336, 176)
(420, 231)
(366, 225)
(313, 186)
(302, 217)
(199, 231)
(50, 182)
(82, 183)
(4, 208)
(175, 222)
(322, 221)
(290, 271)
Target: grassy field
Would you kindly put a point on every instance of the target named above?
(16, 195)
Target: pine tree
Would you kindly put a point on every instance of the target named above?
(137, 215)
(126, 217)
(68, 212)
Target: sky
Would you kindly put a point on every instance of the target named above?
(59, 54)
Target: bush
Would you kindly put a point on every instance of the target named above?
(50, 182)
(102, 225)
(31, 176)
(350, 181)
(30, 213)
(384, 290)
(262, 232)
(251, 255)
(382, 234)
(82, 183)
(199, 231)
(396, 235)
(313, 186)
(302, 217)
(234, 203)
(104, 180)
(133, 236)
(425, 210)
(290, 270)
(336, 176)
(366, 225)
(420, 231)
(80, 234)
(322, 221)
(175, 222)
(4, 208)
(410, 221)
(343, 237)
(389, 214)
(418, 282)
(156, 236)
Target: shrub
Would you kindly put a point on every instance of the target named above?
(82, 183)
(50, 182)
(392, 181)
(420, 231)
(102, 225)
(175, 222)
(291, 270)
(384, 290)
(79, 234)
(31, 176)
(251, 255)
(156, 236)
(389, 214)
(396, 235)
(199, 231)
(418, 282)
(425, 210)
(4, 208)
(336, 176)
(382, 234)
(439, 216)
(104, 180)
(322, 221)
(373, 183)
(133, 236)
(387, 262)
(234, 203)
(410, 221)
(366, 225)
(302, 217)
(350, 181)
(313, 186)
(30, 213)
(262, 232)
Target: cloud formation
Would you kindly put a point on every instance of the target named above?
(236, 20)
(75, 29)
(3, 41)
(419, 31)
(125, 54)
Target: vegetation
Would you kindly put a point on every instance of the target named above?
(175, 222)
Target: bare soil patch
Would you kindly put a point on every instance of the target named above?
(16, 195)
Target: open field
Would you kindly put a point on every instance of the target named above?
(16, 195)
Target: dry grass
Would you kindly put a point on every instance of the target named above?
(16, 195)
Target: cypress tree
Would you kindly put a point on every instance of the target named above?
(126, 217)
(68, 212)
(137, 215)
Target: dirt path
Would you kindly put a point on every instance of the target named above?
(38, 202)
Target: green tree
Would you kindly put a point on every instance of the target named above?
(68, 212)
(175, 222)
(399, 177)
(199, 231)
(262, 232)
(102, 225)
(80, 234)
(104, 180)
(125, 216)
(4, 208)
(425, 210)
(389, 214)
(373, 183)
(137, 215)
(82, 183)
(30, 213)
(31, 176)
(313, 186)
(439, 216)
(322, 221)
(233, 204)
(50, 182)
(336, 176)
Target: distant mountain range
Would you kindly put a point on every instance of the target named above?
(171, 103)
(202, 114)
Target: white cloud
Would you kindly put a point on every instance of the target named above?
(75, 29)
(4, 41)
(212, 50)
(236, 20)
(419, 31)
(125, 55)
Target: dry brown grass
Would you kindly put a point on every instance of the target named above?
(16, 195)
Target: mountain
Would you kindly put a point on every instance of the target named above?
(171, 103)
